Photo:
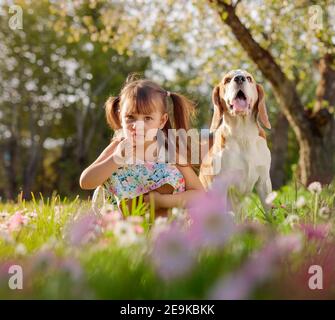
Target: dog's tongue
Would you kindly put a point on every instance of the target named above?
(239, 104)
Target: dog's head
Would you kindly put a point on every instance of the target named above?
(238, 95)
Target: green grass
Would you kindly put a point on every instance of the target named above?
(103, 268)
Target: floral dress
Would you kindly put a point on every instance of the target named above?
(130, 181)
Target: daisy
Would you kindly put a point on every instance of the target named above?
(271, 197)
(315, 187)
(125, 233)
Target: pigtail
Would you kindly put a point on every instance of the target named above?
(183, 110)
(112, 110)
(183, 113)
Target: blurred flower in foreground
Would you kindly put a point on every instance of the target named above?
(212, 222)
(210, 225)
(301, 201)
(315, 187)
(258, 268)
(160, 224)
(271, 197)
(71, 267)
(179, 213)
(16, 221)
(292, 220)
(318, 232)
(83, 230)
(172, 255)
(125, 233)
(108, 209)
(43, 259)
(21, 249)
(4, 215)
(108, 220)
(324, 212)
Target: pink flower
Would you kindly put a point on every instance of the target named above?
(44, 259)
(83, 230)
(138, 229)
(172, 254)
(16, 221)
(231, 287)
(71, 267)
(211, 225)
(319, 232)
(108, 220)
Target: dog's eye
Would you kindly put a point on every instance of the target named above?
(227, 80)
(249, 79)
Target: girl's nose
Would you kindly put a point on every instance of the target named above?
(137, 125)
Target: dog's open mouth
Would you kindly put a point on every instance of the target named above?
(239, 103)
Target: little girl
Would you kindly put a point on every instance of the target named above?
(140, 109)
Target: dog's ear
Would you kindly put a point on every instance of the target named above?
(261, 107)
(219, 108)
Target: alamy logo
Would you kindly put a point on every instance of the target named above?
(16, 21)
(316, 280)
(15, 281)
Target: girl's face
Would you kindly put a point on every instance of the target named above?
(142, 126)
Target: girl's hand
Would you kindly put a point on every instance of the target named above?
(123, 149)
(111, 147)
(157, 198)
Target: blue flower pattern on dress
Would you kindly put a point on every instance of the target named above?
(132, 180)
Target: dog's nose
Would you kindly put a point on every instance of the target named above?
(239, 79)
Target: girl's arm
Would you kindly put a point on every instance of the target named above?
(179, 200)
(100, 169)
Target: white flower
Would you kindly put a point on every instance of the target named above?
(161, 221)
(271, 197)
(324, 212)
(108, 208)
(315, 187)
(292, 220)
(125, 233)
(135, 219)
(32, 214)
(4, 215)
(301, 201)
(21, 249)
(177, 212)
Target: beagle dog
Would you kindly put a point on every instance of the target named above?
(239, 142)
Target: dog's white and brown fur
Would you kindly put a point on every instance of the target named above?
(239, 143)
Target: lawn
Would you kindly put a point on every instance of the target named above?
(66, 250)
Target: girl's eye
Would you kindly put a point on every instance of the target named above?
(148, 118)
(129, 118)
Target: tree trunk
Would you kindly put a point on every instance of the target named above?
(313, 131)
(279, 139)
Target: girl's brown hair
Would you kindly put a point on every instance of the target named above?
(145, 96)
